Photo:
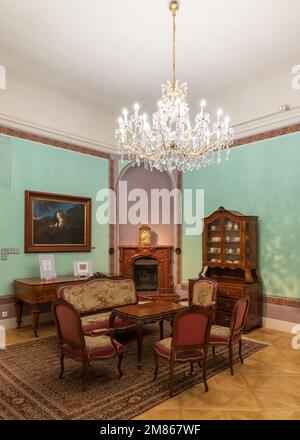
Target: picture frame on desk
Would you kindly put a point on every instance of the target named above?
(82, 268)
(47, 267)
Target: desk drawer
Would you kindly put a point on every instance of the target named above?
(231, 292)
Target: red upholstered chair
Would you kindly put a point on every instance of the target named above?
(233, 334)
(189, 343)
(80, 346)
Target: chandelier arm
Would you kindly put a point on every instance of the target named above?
(162, 135)
(145, 155)
(196, 129)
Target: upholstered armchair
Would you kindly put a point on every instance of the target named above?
(189, 343)
(83, 347)
(231, 335)
(204, 293)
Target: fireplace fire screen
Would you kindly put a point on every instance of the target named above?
(145, 274)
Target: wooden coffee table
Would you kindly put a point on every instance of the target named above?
(156, 311)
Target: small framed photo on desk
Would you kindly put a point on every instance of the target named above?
(82, 268)
(47, 267)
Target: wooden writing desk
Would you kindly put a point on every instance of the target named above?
(34, 292)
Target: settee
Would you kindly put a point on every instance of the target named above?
(95, 299)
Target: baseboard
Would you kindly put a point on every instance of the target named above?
(26, 320)
(276, 324)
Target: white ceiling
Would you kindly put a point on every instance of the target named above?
(116, 52)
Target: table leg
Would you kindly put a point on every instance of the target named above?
(161, 329)
(19, 311)
(139, 339)
(35, 314)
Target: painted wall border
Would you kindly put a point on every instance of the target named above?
(266, 135)
(7, 300)
(51, 142)
(270, 299)
(282, 301)
(9, 131)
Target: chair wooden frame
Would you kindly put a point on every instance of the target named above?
(208, 311)
(235, 334)
(81, 346)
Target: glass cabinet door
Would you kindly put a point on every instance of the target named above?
(214, 241)
(232, 241)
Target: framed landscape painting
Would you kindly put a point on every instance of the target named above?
(57, 223)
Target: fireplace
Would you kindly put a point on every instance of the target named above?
(145, 274)
(150, 266)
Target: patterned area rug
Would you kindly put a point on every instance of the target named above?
(30, 388)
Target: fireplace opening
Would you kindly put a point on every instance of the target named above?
(145, 274)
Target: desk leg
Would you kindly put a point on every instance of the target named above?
(19, 312)
(139, 339)
(161, 329)
(35, 314)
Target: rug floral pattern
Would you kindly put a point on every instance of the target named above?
(30, 388)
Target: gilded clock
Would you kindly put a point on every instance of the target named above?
(144, 235)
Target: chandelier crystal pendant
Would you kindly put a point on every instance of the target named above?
(169, 142)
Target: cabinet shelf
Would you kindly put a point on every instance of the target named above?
(243, 239)
(236, 273)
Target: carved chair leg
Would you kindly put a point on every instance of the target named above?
(192, 368)
(214, 351)
(171, 380)
(85, 366)
(156, 365)
(120, 359)
(204, 369)
(62, 365)
(200, 363)
(240, 351)
(231, 358)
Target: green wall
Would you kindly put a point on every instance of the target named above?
(260, 179)
(44, 168)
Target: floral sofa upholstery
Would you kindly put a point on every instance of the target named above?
(95, 299)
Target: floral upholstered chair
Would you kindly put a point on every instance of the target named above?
(233, 334)
(80, 346)
(189, 343)
(204, 293)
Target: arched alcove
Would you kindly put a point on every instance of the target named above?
(140, 178)
(166, 234)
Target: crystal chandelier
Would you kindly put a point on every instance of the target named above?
(170, 142)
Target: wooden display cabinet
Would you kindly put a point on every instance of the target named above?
(230, 257)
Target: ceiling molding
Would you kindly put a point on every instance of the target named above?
(52, 133)
(244, 133)
(266, 123)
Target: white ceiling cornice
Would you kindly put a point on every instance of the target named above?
(249, 128)
(40, 130)
(267, 123)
